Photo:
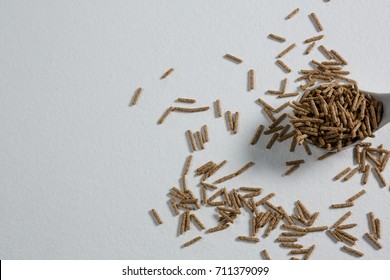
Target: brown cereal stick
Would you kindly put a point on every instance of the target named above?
(265, 255)
(378, 228)
(233, 58)
(229, 119)
(238, 172)
(313, 229)
(293, 227)
(293, 13)
(218, 228)
(277, 38)
(197, 221)
(292, 169)
(200, 140)
(310, 251)
(183, 223)
(316, 22)
(309, 48)
(307, 148)
(313, 39)
(356, 196)
(291, 245)
(326, 155)
(347, 226)
(218, 108)
(325, 52)
(215, 195)
(205, 133)
(299, 251)
(333, 235)
(257, 135)
(216, 168)
(208, 186)
(293, 233)
(283, 66)
(372, 222)
(286, 239)
(265, 104)
(167, 73)
(248, 238)
(187, 165)
(373, 240)
(272, 140)
(342, 205)
(174, 206)
(186, 100)
(283, 106)
(352, 251)
(189, 243)
(293, 162)
(342, 219)
(156, 216)
(342, 173)
(136, 96)
(288, 49)
(291, 94)
(251, 75)
(204, 195)
(350, 174)
(380, 176)
(385, 160)
(235, 122)
(339, 57)
(190, 110)
(264, 199)
(165, 115)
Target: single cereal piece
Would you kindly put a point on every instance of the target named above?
(316, 22)
(373, 240)
(186, 100)
(165, 115)
(283, 66)
(265, 255)
(156, 216)
(352, 251)
(356, 196)
(380, 176)
(251, 75)
(197, 221)
(292, 169)
(187, 165)
(277, 38)
(235, 122)
(342, 173)
(326, 155)
(378, 228)
(257, 135)
(308, 254)
(313, 39)
(166, 74)
(309, 48)
(229, 119)
(136, 96)
(218, 108)
(191, 139)
(342, 205)
(293, 13)
(350, 174)
(372, 222)
(205, 133)
(293, 162)
(233, 58)
(190, 110)
(248, 238)
(192, 241)
(272, 140)
(339, 57)
(342, 219)
(286, 239)
(288, 49)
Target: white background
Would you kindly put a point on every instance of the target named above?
(80, 169)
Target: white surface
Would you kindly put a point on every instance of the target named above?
(80, 169)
